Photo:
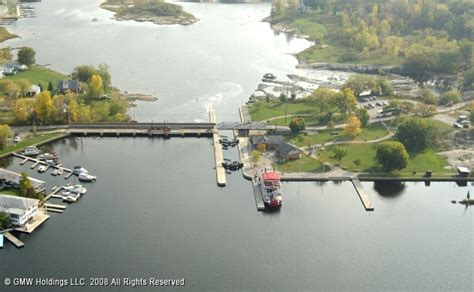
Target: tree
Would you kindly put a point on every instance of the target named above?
(5, 220)
(261, 147)
(21, 110)
(339, 153)
(11, 89)
(323, 97)
(26, 188)
(83, 73)
(353, 126)
(26, 56)
(43, 107)
(346, 101)
(330, 125)
(5, 134)
(24, 86)
(392, 155)
(73, 109)
(424, 110)
(428, 97)
(450, 97)
(417, 133)
(95, 86)
(104, 73)
(40, 86)
(297, 125)
(364, 116)
(50, 86)
(255, 156)
(283, 97)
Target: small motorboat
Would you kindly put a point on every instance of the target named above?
(84, 176)
(58, 171)
(71, 198)
(31, 151)
(42, 168)
(79, 169)
(78, 189)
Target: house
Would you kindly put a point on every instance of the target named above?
(463, 171)
(271, 141)
(34, 90)
(69, 85)
(10, 178)
(19, 209)
(286, 151)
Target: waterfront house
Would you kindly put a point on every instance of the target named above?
(10, 178)
(69, 85)
(19, 209)
(271, 142)
(34, 90)
(287, 151)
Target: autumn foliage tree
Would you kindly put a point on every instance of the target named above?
(43, 107)
(95, 86)
(353, 127)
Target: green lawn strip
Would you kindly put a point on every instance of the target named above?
(310, 121)
(262, 110)
(310, 28)
(305, 164)
(30, 141)
(419, 163)
(11, 192)
(371, 132)
(39, 74)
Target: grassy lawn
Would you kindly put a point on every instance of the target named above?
(372, 132)
(31, 141)
(11, 192)
(305, 164)
(262, 110)
(5, 34)
(39, 74)
(310, 28)
(419, 163)
(310, 121)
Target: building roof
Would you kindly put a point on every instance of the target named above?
(68, 84)
(274, 139)
(463, 169)
(284, 149)
(270, 176)
(35, 88)
(15, 177)
(16, 205)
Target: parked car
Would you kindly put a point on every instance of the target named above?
(378, 103)
(16, 139)
(457, 126)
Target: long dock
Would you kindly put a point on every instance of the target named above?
(55, 206)
(362, 194)
(16, 242)
(258, 196)
(218, 153)
(37, 162)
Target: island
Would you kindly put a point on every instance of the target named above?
(156, 11)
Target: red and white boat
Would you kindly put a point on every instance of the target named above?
(270, 185)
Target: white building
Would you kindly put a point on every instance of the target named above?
(20, 209)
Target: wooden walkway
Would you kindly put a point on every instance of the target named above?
(218, 153)
(362, 194)
(16, 242)
(258, 196)
(37, 162)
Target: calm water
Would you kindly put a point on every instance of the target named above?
(156, 210)
(216, 62)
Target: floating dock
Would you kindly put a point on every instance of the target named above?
(37, 162)
(362, 194)
(55, 206)
(54, 210)
(218, 154)
(258, 196)
(16, 242)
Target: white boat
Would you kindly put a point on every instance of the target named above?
(31, 151)
(70, 197)
(78, 189)
(84, 176)
(271, 189)
(42, 168)
(79, 169)
(58, 171)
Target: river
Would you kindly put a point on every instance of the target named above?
(156, 211)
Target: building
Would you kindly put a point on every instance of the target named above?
(69, 85)
(19, 209)
(463, 171)
(271, 141)
(286, 151)
(10, 178)
(34, 90)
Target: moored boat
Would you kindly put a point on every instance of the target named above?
(78, 189)
(31, 151)
(270, 186)
(84, 176)
(42, 168)
(79, 169)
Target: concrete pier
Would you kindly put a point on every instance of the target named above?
(16, 242)
(218, 154)
(258, 196)
(362, 194)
